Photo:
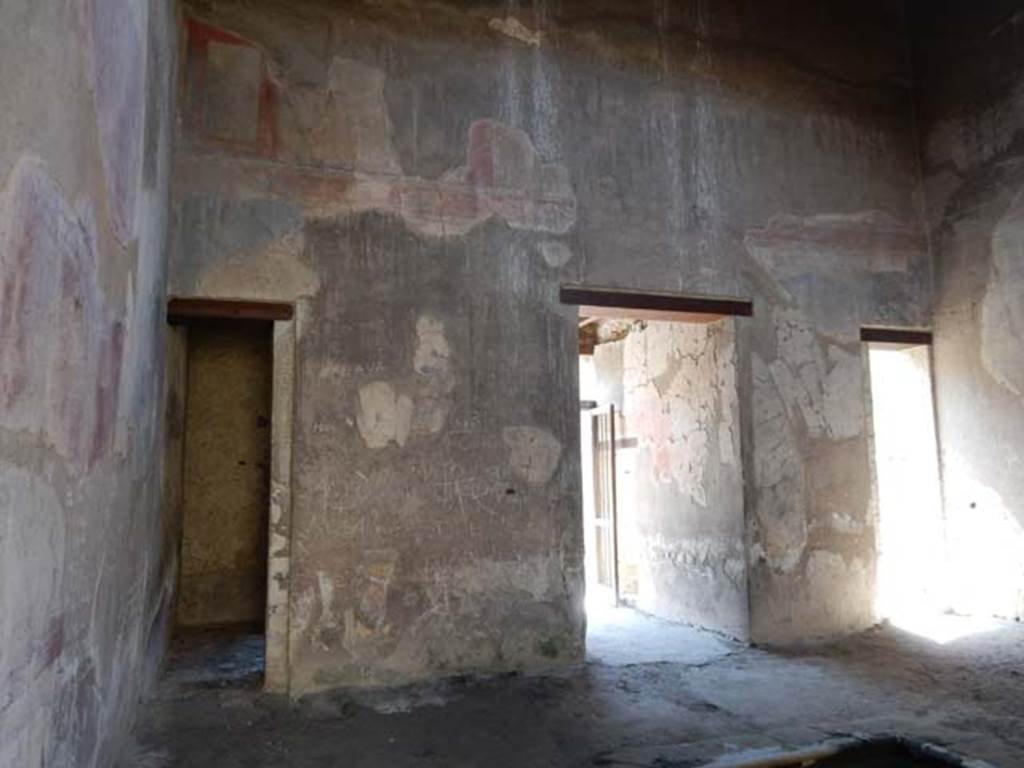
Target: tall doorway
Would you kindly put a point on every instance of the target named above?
(222, 592)
(920, 584)
(662, 480)
(911, 530)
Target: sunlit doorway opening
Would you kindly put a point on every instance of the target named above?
(914, 577)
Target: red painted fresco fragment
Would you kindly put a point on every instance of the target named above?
(884, 242)
(56, 330)
(200, 35)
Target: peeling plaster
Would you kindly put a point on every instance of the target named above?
(822, 386)
(384, 416)
(510, 26)
(432, 355)
(674, 378)
(432, 363)
(326, 595)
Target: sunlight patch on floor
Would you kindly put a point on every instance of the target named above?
(945, 628)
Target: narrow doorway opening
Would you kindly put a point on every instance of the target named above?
(662, 482)
(911, 532)
(222, 589)
(916, 587)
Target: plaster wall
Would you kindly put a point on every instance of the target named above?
(226, 475)
(970, 62)
(423, 177)
(684, 499)
(86, 578)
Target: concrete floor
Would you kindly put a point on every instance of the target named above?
(620, 636)
(701, 702)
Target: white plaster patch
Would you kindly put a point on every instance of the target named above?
(533, 453)
(821, 562)
(835, 595)
(432, 353)
(301, 613)
(555, 254)
(510, 26)
(843, 394)
(384, 416)
(432, 361)
(327, 618)
(728, 444)
(376, 574)
(840, 521)
(1002, 310)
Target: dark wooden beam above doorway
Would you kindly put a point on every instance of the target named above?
(184, 310)
(912, 336)
(612, 302)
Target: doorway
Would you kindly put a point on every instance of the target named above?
(222, 591)
(911, 530)
(920, 576)
(662, 482)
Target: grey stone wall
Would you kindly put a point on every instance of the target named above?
(423, 177)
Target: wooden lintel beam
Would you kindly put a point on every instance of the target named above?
(914, 336)
(641, 305)
(181, 310)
